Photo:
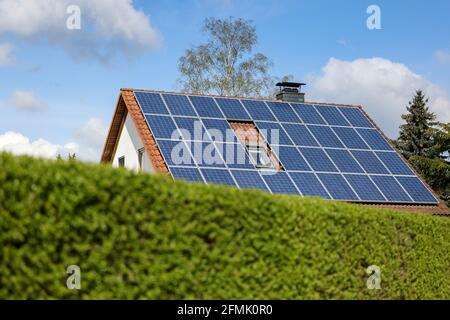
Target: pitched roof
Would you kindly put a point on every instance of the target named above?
(128, 104)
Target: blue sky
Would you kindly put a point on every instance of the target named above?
(377, 68)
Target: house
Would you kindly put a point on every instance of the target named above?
(285, 146)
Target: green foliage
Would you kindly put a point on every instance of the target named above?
(441, 140)
(224, 65)
(146, 237)
(437, 173)
(416, 134)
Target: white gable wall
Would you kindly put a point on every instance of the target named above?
(128, 146)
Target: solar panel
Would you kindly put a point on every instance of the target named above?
(232, 109)
(258, 110)
(206, 154)
(364, 187)
(308, 113)
(162, 127)
(356, 117)
(176, 153)
(417, 190)
(280, 183)
(325, 136)
(188, 174)
(332, 152)
(206, 107)
(283, 112)
(369, 161)
(151, 102)
(350, 138)
(332, 116)
(218, 176)
(273, 133)
(300, 135)
(234, 155)
(394, 163)
(338, 188)
(344, 161)
(219, 130)
(291, 159)
(318, 160)
(391, 188)
(308, 184)
(374, 139)
(247, 179)
(191, 129)
(179, 105)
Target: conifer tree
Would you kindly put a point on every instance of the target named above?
(416, 135)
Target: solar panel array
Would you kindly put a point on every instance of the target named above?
(333, 152)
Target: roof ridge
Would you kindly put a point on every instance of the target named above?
(241, 98)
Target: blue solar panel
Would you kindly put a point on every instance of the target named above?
(191, 129)
(364, 187)
(233, 109)
(337, 186)
(344, 161)
(283, 112)
(417, 189)
(369, 161)
(326, 137)
(249, 179)
(218, 176)
(290, 158)
(151, 102)
(329, 140)
(332, 116)
(179, 105)
(318, 159)
(206, 107)
(235, 155)
(162, 127)
(356, 117)
(350, 138)
(273, 133)
(206, 154)
(219, 130)
(279, 183)
(308, 184)
(308, 113)
(176, 153)
(300, 135)
(374, 139)
(188, 174)
(258, 110)
(394, 163)
(391, 189)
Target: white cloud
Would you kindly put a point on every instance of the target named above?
(18, 144)
(108, 27)
(91, 137)
(442, 57)
(6, 54)
(26, 100)
(381, 86)
(87, 144)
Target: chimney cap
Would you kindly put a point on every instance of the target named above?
(290, 84)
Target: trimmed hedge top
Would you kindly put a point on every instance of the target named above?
(147, 237)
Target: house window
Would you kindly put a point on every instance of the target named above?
(141, 153)
(122, 162)
(260, 157)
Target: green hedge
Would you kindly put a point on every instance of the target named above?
(146, 237)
